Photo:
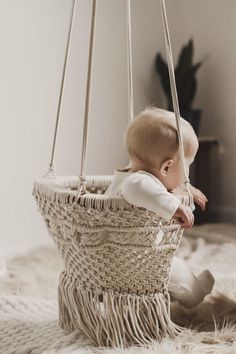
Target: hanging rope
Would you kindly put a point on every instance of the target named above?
(174, 92)
(82, 185)
(51, 170)
(82, 179)
(129, 62)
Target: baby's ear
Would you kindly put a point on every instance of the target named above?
(166, 166)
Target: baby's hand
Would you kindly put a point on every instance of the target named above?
(198, 197)
(184, 216)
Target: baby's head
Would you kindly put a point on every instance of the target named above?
(152, 143)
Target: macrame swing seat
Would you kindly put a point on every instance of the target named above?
(117, 257)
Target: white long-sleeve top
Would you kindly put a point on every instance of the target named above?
(143, 189)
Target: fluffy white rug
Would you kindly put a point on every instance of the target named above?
(28, 306)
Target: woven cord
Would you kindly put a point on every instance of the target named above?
(129, 62)
(51, 170)
(82, 179)
(174, 93)
(82, 185)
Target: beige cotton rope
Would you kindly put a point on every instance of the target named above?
(82, 185)
(82, 188)
(117, 257)
(174, 93)
(51, 171)
(130, 64)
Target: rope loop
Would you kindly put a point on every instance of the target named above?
(82, 186)
(51, 172)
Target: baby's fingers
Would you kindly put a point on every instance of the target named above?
(187, 220)
(202, 195)
(201, 201)
(191, 218)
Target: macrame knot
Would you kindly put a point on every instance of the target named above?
(82, 186)
(82, 180)
(186, 180)
(51, 172)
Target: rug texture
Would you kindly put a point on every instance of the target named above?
(28, 302)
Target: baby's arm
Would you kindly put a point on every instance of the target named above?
(143, 191)
(198, 197)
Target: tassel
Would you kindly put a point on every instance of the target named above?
(118, 320)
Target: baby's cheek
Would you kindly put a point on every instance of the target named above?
(176, 182)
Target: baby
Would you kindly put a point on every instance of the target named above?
(153, 172)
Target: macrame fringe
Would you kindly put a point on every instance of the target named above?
(103, 202)
(63, 189)
(115, 320)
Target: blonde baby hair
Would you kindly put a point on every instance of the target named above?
(152, 137)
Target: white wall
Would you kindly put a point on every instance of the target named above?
(32, 39)
(212, 25)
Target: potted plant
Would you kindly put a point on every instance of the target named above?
(186, 83)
